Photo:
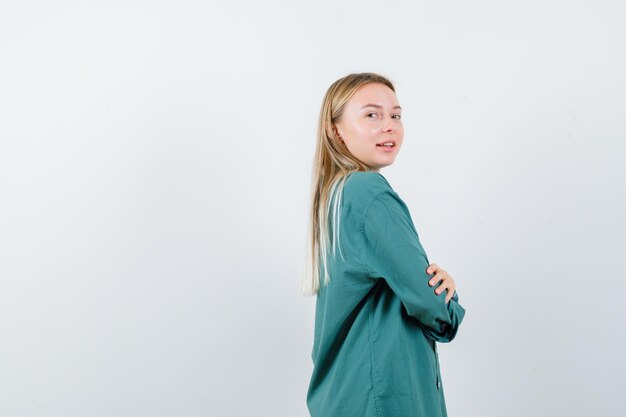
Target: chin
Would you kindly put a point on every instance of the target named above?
(382, 165)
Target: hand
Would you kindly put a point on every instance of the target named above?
(441, 275)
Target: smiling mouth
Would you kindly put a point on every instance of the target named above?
(387, 145)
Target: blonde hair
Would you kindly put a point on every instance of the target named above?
(332, 165)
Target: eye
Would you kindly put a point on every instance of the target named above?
(397, 116)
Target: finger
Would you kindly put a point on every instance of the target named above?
(441, 288)
(451, 290)
(438, 277)
(432, 268)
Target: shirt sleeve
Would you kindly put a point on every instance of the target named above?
(394, 253)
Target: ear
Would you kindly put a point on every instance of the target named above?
(336, 133)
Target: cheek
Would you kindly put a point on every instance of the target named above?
(400, 134)
(368, 134)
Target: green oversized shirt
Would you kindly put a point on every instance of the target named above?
(378, 320)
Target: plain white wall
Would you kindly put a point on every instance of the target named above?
(155, 161)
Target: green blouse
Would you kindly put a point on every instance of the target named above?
(377, 322)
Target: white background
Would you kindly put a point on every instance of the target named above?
(155, 162)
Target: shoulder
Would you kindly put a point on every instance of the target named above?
(365, 185)
(369, 191)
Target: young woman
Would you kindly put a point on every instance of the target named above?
(381, 307)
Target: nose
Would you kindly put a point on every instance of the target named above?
(389, 126)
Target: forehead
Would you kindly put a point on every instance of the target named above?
(376, 94)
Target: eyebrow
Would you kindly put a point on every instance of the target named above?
(378, 106)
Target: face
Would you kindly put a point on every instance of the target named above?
(371, 118)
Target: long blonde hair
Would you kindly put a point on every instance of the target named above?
(332, 165)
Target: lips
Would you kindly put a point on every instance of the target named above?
(392, 141)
